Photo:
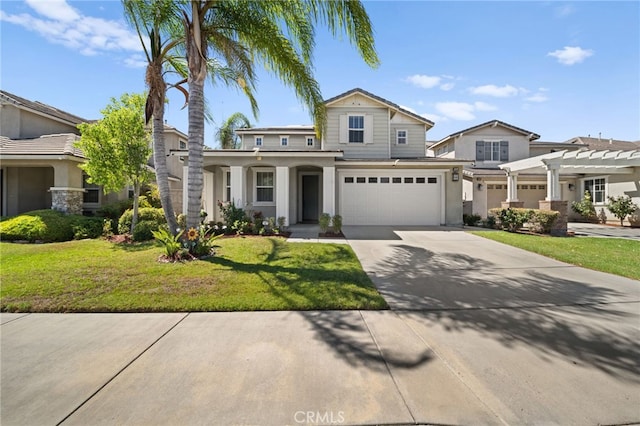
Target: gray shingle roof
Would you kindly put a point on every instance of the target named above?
(602, 144)
(532, 136)
(61, 144)
(40, 107)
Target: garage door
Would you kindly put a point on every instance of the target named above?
(390, 198)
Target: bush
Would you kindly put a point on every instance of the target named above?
(144, 230)
(585, 208)
(621, 207)
(337, 223)
(542, 221)
(49, 226)
(231, 214)
(172, 243)
(113, 211)
(325, 219)
(471, 219)
(144, 214)
(513, 219)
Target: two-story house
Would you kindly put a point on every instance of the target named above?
(512, 168)
(39, 162)
(370, 167)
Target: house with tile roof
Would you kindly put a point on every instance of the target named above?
(39, 161)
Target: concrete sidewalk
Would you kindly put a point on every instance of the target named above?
(258, 368)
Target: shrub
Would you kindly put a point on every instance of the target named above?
(489, 222)
(231, 213)
(113, 211)
(337, 223)
(144, 214)
(281, 222)
(49, 226)
(542, 221)
(585, 207)
(621, 207)
(172, 243)
(144, 230)
(471, 219)
(325, 219)
(511, 219)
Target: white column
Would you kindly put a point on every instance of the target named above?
(282, 193)
(237, 185)
(329, 190)
(208, 196)
(185, 189)
(512, 187)
(553, 183)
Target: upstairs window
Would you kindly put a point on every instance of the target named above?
(401, 137)
(492, 150)
(356, 129)
(310, 141)
(284, 140)
(258, 140)
(183, 145)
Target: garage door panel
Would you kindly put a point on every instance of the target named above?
(390, 198)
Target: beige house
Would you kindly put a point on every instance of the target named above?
(370, 167)
(39, 163)
(511, 166)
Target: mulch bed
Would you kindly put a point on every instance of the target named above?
(330, 235)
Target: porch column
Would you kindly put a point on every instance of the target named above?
(237, 185)
(512, 192)
(282, 193)
(329, 190)
(208, 203)
(66, 200)
(553, 183)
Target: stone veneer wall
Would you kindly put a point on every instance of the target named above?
(68, 200)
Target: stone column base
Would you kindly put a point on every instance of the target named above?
(512, 204)
(559, 228)
(67, 200)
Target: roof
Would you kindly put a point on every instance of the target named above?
(306, 129)
(577, 161)
(532, 136)
(60, 144)
(36, 106)
(599, 143)
(381, 100)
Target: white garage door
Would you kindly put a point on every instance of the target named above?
(405, 197)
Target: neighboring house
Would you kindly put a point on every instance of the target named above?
(39, 162)
(610, 168)
(370, 167)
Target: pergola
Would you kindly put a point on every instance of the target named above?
(581, 161)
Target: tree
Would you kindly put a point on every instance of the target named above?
(226, 134)
(276, 34)
(621, 207)
(117, 148)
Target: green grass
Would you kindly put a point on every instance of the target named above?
(245, 274)
(613, 255)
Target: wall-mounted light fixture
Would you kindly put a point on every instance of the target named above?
(455, 175)
(480, 187)
(571, 187)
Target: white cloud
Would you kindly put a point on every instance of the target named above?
(456, 110)
(483, 106)
(562, 11)
(571, 55)
(537, 97)
(60, 23)
(496, 91)
(136, 61)
(447, 86)
(408, 109)
(423, 81)
(434, 117)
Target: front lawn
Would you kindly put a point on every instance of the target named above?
(613, 255)
(245, 274)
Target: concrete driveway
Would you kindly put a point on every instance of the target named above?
(538, 341)
(479, 333)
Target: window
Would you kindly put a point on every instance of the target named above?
(258, 140)
(596, 188)
(183, 145)
(408, 180)
(432, 180)
(310, 141)
(348, 180)
(492, 150)
(356, 129)
(360, 180)
(396, 180)
(420, 180)
(92, 191)
(227, 186)
(384, 180)
(401, 137)
(264, 183)
(284, 140)
(373, 180)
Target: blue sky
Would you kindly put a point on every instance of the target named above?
(559, 69)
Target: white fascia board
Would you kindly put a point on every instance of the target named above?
(400, 163)
(47, 157)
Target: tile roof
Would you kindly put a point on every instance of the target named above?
(382, 100)
(7, 97)
(60, 144)
(602, 144)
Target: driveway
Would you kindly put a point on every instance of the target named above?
(607, 231)
(538, 341)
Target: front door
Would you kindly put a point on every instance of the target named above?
(310, 198)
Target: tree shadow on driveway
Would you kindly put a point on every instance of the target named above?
(544, 308)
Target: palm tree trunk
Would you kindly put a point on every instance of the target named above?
(196, 144)
(160, 165)
(136, 203)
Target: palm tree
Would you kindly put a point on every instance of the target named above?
(276, 34)
(226, 135)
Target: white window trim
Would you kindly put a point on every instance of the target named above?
(493, 141)
(606, 189)
(364, 126)
(313, 141)
(406, 137)
(255, 171)
(255, 140)
(225, 183)
(282, 137)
